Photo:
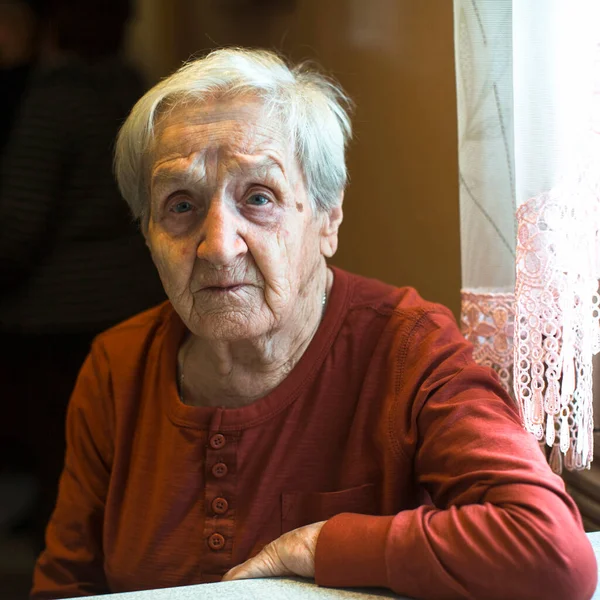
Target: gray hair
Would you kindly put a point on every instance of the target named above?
(313, 108)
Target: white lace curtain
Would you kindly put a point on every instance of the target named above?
(528, 86)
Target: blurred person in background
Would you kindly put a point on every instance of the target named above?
(72, 261)
(19, 42)
(19, 46)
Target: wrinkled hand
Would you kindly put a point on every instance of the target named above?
(291, 554)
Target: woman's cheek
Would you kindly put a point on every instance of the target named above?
(271, 255)
(186, 253)
(171, 261)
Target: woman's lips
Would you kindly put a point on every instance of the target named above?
(223, 289)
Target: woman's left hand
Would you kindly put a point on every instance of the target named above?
(291, 554)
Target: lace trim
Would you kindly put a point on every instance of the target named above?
(487, 321)
(556, 321)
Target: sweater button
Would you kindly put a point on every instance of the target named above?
(217, 441)
(216, 541)
(219, 470)
(220, 506)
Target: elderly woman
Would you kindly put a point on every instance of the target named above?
(278, 416)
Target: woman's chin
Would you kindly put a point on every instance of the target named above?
(228, 327)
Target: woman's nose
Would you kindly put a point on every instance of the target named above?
(220, 243)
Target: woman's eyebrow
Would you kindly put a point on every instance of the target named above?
(164, 180)
(271, 162)
(263, 163)
(171, 171)
(166, 177)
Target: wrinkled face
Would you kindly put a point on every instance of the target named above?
(231, 227)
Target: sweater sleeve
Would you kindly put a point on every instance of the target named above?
(501, 524)
(72, 563)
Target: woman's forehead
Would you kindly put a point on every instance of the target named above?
(232, 126)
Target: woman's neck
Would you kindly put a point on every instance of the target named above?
(234, 374)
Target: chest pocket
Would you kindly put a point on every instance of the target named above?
(303, 508)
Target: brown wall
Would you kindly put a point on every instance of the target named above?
(395, 58)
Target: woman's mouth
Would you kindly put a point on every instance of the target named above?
(223, 289)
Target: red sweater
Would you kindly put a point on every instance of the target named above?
(385, 427)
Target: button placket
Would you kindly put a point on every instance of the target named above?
(217, 441)
(219, 506)
(216, 541)
(219, 526)
(219, 470)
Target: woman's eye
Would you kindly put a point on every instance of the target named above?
(182, 207)
(258, 200)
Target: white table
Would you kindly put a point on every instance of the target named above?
(278, 589)
(252, 589)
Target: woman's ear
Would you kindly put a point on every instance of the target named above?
(332, 220)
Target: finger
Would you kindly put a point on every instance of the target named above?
(265, 564)
(251, 569)
(233, 574)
